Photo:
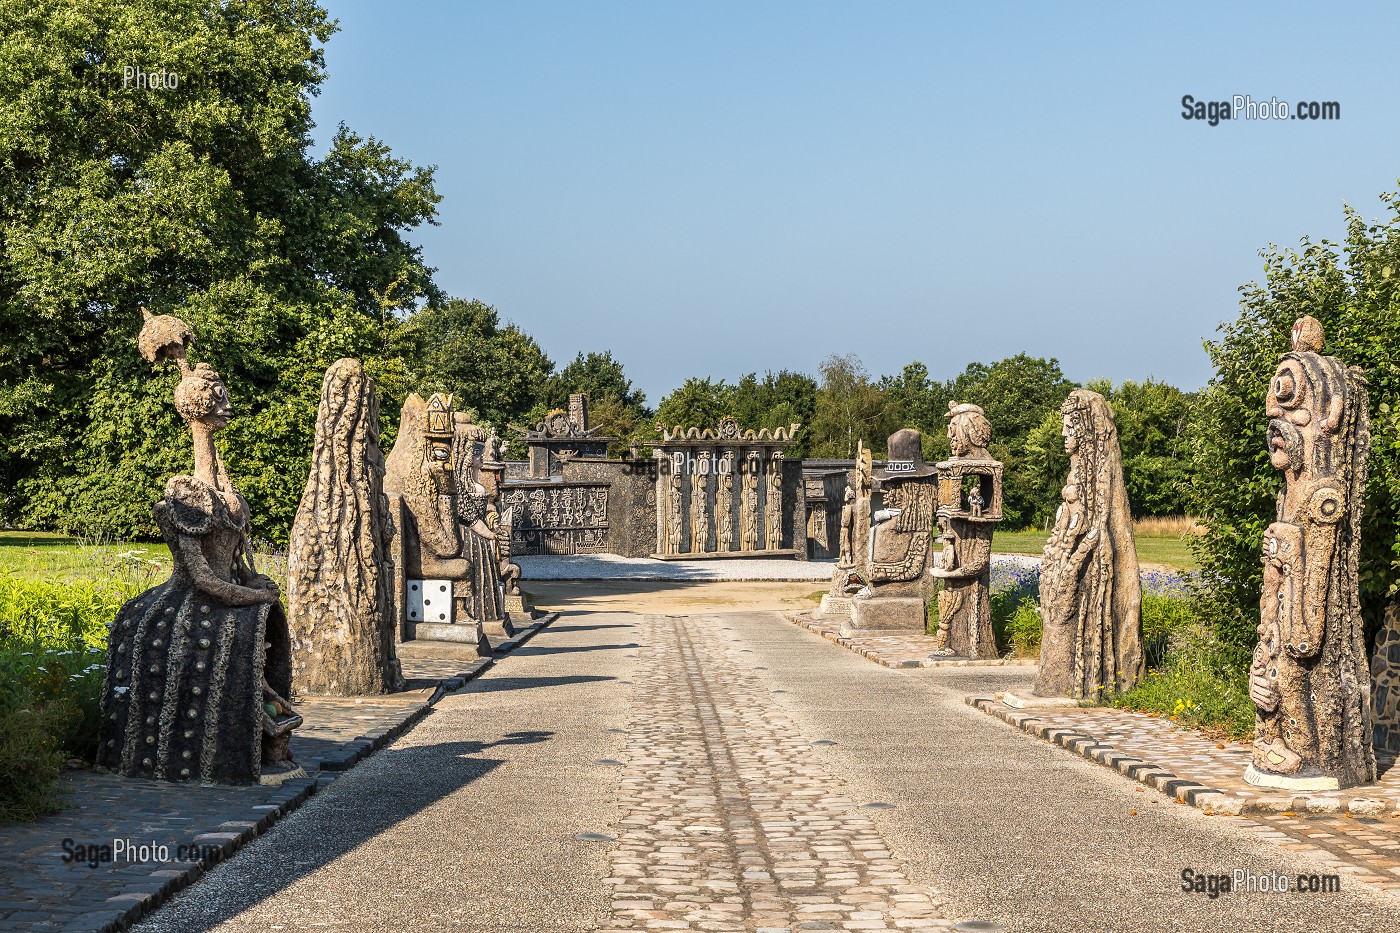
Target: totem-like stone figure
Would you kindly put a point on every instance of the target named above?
(199, 668)
(846, 555)
(900, 544)
(1309, 680)
(773, 503)
(700, 504)
(965, 525)
(675, 518)
(485, 600)
(340, 587)
(1090, 590)
(421, 483)
(724, 504)
(748, 502)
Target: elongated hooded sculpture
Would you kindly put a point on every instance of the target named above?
(1090, 591)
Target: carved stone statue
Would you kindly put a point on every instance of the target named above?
(485, 597)
(1090, 590)
(773, 503)
(846, 557)
(748, 502)
(724, 505)
(199, 668)
(969, 507)
(1309, 678)
(700, 505)
(340, 596)
(675, 520)
(421, 482)
(900, 542)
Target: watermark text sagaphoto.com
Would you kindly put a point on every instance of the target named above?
(1244, 107)
(93, 854)
(1245, 881)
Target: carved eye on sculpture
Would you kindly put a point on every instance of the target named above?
(1285, 388)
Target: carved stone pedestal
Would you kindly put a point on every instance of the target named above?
(835, 606)
(463, 633)
(876, 613)
(1253, 775)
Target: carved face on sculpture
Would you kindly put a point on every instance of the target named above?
(969, 432)
(201, 398)
(1296, 416)
(1071, 432)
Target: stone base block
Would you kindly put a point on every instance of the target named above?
(465, 633)
(835, 606)
(1253, 775)
(501, 628)
(876, 613)
(1026, 700)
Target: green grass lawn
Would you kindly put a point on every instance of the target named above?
(1169, 552)
(37, 555)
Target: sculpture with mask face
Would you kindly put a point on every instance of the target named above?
(1309, 678)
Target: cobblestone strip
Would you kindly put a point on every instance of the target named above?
(730, 821)
(910, 650)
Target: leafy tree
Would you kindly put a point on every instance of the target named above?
(615, 408)
(461, 347)
(697, 403)
(850, 408)
(778, 400)
(1353, 288)
(921, 402)
(1019, 395)
(201, 200)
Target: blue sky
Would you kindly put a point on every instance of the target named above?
(716, 188)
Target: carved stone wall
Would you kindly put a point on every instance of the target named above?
(596, 506)
(726, 491)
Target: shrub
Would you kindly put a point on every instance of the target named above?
(52, 650)
(1202, 683)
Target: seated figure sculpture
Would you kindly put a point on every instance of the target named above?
(199, 667)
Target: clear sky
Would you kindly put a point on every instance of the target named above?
(715, 188)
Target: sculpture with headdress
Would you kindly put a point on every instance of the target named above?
(199, 667)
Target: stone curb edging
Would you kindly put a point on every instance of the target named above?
(1209, 800)
(818, 627)
(230, 836)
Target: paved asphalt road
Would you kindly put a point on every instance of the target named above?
(468, 822)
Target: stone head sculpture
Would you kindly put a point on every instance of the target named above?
(969, 431)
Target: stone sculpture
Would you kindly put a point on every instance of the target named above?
(421, 483)
(773, 503)
(199, 667)
(724, 506)
(1309, 678)
(900, 544)
(1090, 590)
(485, 596)
(965, 528)
(748, 502)
(700, 505)
(340, 595)
(848, 513)
(675, 519)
